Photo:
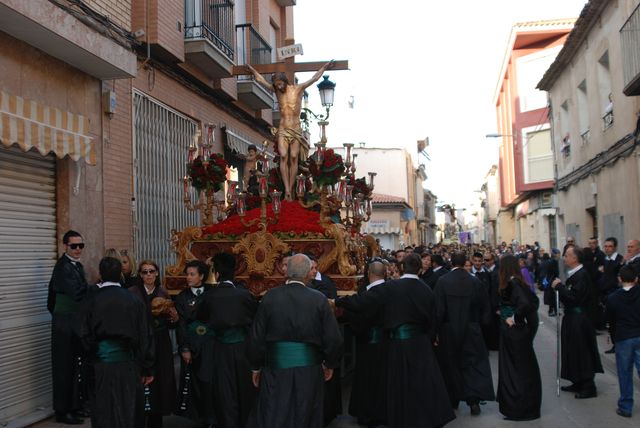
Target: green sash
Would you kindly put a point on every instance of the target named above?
(506, 311)
(375, 335)
(231, 335)
(286, 355)
(65, 304)
(113, 351)
(406, 331)
(576, 310)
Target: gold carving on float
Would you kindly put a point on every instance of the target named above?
(339, 253)
(260, 250)
(180, 242)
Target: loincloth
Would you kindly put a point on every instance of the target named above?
(290, 135)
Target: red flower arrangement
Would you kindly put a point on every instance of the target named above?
(275, 180)
(330, 171)
(360, 186)
(293, 219)
(209, 176)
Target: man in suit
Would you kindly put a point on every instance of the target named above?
(609, 281)
(462, 306)
(438, 269)
(67, 289)
(580, 358)
(633, 255)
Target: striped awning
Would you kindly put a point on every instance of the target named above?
(33, 125)
(240, 144)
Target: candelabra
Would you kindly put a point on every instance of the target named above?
(206, 172)
(263, 191)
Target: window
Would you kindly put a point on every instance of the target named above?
(538, 157)
(529, 68)
(565, 139)
(604, 90)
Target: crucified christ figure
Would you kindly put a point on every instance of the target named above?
(289, 135)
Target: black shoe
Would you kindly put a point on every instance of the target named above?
(622, 413)
(590, 393)
(611, 351)
(475, 409)
(570, 388)
(82, 413)
(68, 419)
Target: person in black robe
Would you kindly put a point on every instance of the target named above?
(547, 272)
(609, 282)
(196, 346)
(519, 384)
(416, 394)
(228, 311)
(67, 288)
(333, 387)
(294, 345)
(438, 269)
(491, 331)
(368, 401)
(160, 396)
(580, 357)
(462, 305)
(115, 332)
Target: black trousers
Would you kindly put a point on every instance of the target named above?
(66, 354)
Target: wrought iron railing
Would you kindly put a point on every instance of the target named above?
(585, 137)
(251, 47)
(607, 120)
(630, 40)
(213, 20)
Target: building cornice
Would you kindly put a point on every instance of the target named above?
(588, 18)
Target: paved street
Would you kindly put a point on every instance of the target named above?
(564, 411)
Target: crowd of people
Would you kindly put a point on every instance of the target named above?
(424, 318)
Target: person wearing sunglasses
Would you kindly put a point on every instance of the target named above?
(161, 394)
(67, 288)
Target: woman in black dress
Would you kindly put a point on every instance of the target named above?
(160, 398)
(519, 385)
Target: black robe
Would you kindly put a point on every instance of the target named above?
(416, 395)
(193, 335)
(519, 384)
(462, 305)
(368, 400)
(490, 329)
(114, 314)
(227, 309)
(293, 397)
(332, 388)
(580, 357)
(67, 288)
(162, 398)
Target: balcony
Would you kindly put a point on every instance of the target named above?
(285, 3)
(208, 36)
(252, 49)
(630, 40)
(584, 136)
(607, 120)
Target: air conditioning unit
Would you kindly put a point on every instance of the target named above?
(285, 3)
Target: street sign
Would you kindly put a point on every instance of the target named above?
(289, 51)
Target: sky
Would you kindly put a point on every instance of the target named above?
(417, 69)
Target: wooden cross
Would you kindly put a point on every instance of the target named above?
(289, 66)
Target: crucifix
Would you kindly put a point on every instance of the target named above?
(289, 94)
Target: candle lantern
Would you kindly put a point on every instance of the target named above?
(300, 185)
(320, 153)
(275, 201)
(342, 188)
(371, 176)
(240, 204)
(347, 155)
(263, 187)
(348, 199)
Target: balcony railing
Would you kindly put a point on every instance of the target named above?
(252, 48)
(607, 120)
(630, 40)
(212, 20)
(585, 137)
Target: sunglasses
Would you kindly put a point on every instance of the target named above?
(488, 260)
(147, 272)
(76, 246)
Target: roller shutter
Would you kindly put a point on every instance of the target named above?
(27, 256)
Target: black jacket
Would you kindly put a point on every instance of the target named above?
(68, 279)
(623, 308)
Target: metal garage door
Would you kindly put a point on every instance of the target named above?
(161, 140)
(27, 257)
